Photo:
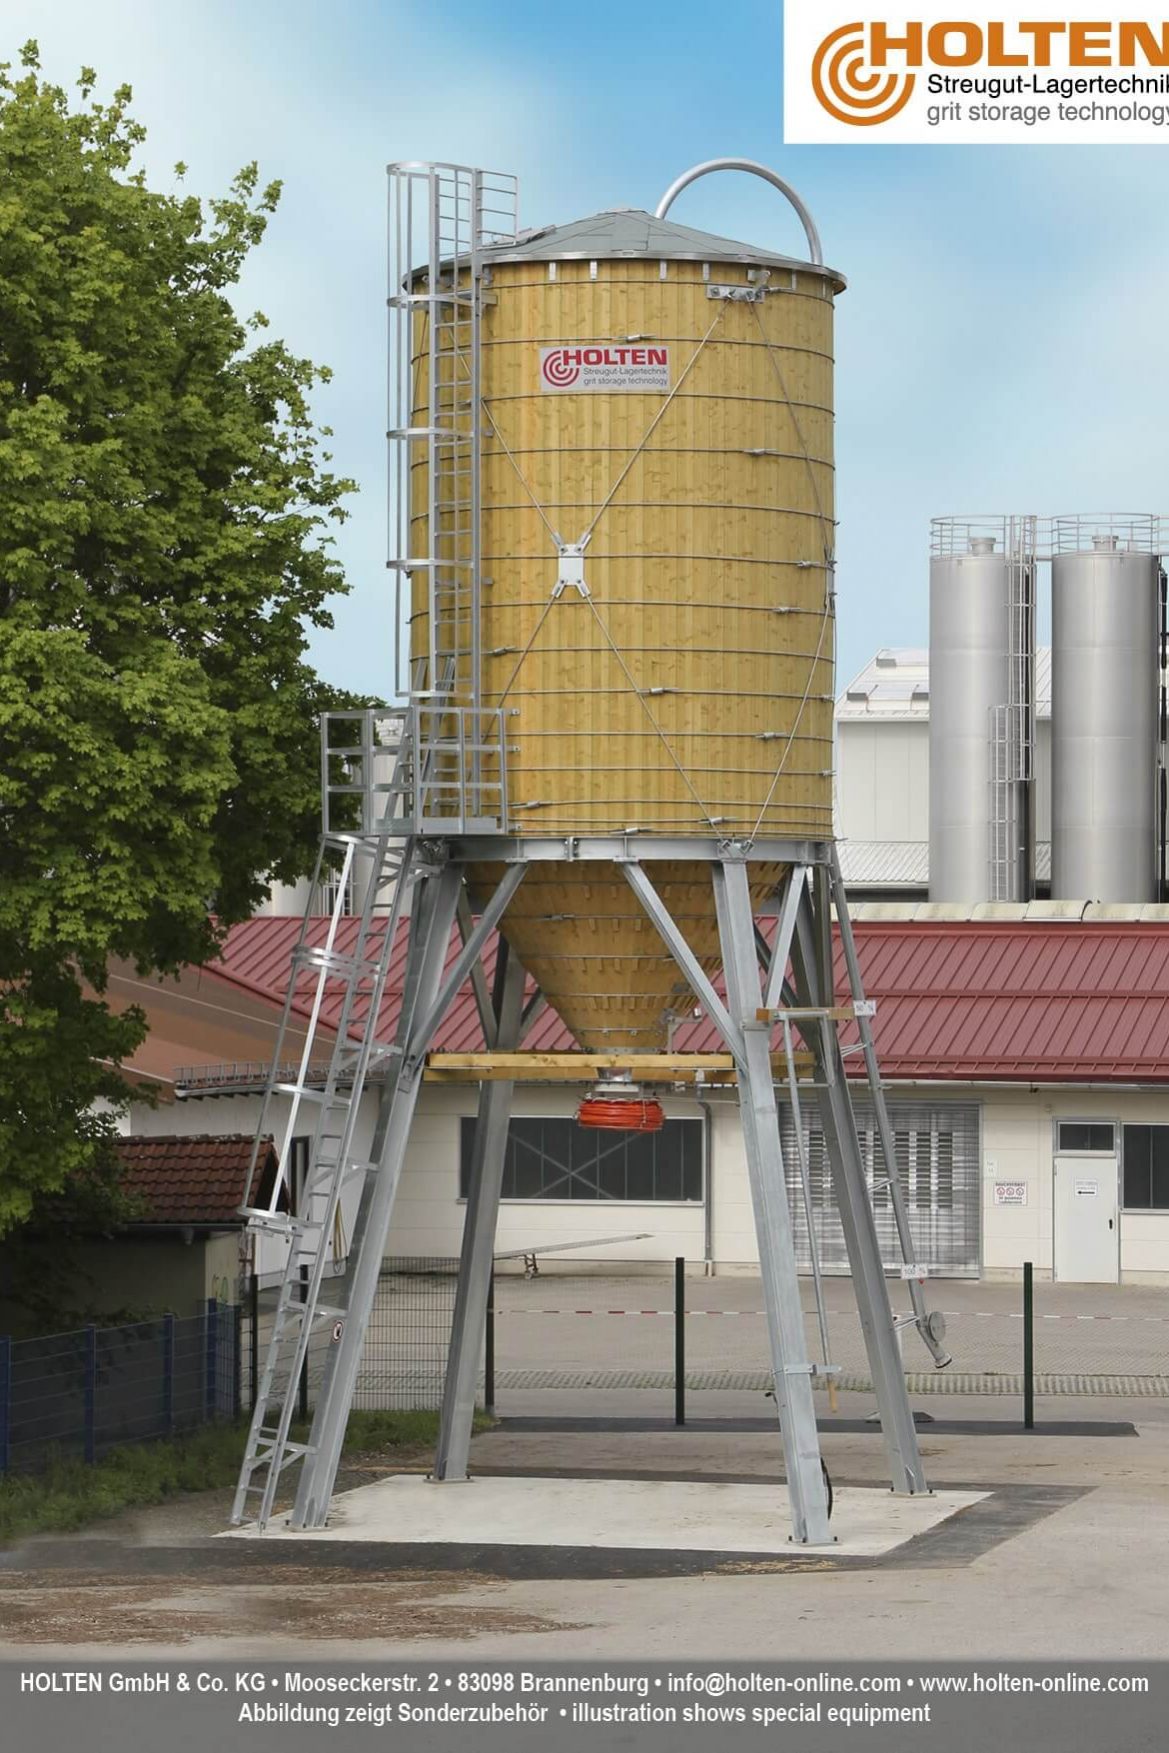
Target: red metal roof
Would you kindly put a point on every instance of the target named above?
(195, 1181)
(960, 1001)
(1035, 1002)
(256, 957)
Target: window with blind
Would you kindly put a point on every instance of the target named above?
(1146, 1168)
(554, 1158)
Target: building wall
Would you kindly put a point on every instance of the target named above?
(882, 779)
(1017, 1145)
(428, 1215)
(159, 1272)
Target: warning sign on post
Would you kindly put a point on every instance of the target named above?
(575, 367)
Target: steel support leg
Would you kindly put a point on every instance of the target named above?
(790, 1358)
(811, 956)
(430, 931)
(467, 1328)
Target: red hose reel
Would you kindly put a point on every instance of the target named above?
(621, 1107)
(645, 1115)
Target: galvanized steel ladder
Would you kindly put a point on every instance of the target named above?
(346, 982)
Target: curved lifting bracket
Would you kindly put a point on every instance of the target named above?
(756, 170)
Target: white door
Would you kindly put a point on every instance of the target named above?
(1087, 1242)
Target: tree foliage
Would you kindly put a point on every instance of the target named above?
(165, 498)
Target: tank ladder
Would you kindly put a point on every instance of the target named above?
(442, 217)
(1012, 733)
(346, 980)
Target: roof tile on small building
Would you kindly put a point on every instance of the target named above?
(196, 1181)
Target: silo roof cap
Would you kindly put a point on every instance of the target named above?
(630, 232)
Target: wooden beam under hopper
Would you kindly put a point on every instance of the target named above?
(714, 1068)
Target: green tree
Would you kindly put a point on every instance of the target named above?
(165, 501)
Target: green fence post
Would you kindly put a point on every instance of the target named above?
(680, 1340)
(237, 1359)
(168, 1373)
(212, 1360)
(1028, 1347)
(5, 1403)
(90, 1395)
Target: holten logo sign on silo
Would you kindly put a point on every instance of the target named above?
(573, 367)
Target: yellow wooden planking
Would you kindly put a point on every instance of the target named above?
(709, 573)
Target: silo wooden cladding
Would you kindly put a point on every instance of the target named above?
(700, 666)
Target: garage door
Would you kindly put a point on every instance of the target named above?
(938, 1157)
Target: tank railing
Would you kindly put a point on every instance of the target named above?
(415, 770)
(1122, 532)
(951, 537)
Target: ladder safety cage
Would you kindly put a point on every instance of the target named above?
(1012, 722)
(441, 219)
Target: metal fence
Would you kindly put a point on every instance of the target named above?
(404, 1360)
(77, 1395)
(595, 1336)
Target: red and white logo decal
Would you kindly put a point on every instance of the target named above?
(574, 367)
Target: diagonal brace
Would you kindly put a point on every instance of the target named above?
(422, 1033)
(794, 888)
(700, 982)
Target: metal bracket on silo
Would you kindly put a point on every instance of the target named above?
(570, 569)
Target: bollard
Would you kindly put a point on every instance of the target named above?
(1028, 1347)
(680, 1341)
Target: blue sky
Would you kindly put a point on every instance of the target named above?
(1002, 345)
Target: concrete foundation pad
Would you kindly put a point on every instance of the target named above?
(664, 1515)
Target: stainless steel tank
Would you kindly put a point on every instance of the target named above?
(1105, 700)
(970, 656)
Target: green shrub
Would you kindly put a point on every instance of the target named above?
(67, 1494)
